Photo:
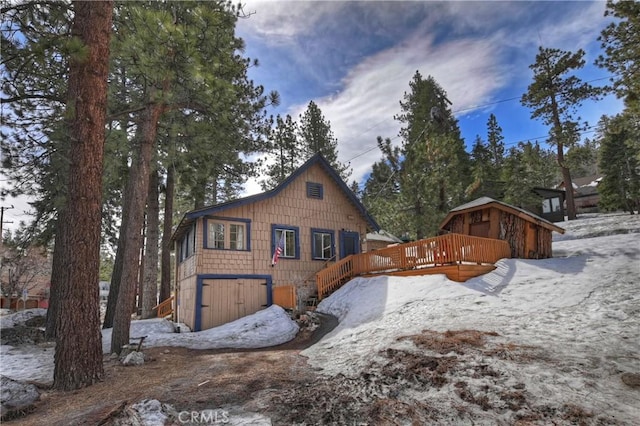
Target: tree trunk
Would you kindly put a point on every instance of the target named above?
(131, 252)
(78, 353)
(116, 275)
(167, 229)
(142, 257)
(150, 281)
(57, 275)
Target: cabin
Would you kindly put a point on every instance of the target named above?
(231, 258)
(528, 235)
(552, 203)
(381, 239)
(585, 193)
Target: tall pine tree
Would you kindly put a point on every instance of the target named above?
(316, 136)
(554, 96)
(621, 44)
(286, 148)
(435, 167)
(619, 163)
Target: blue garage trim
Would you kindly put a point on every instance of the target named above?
(200, 280)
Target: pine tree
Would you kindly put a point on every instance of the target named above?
(495, 142)
(621, 44)
(78, 355)
(525, 167)
(286, 147)
(619, 153)
(583, 158)
(187, 65)
(316, 136)
(554, 97)
(435, 167)
(381, 193)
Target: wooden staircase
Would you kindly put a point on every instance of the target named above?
(165, 308)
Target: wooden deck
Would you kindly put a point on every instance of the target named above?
(459, 257)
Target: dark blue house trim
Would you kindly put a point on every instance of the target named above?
(355, 236)
(295, 229)
(313, 246)
(200, 280)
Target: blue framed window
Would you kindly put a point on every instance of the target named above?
(188, 244)
(291, 248)
(227, 233)
(322, 244)
(315, 190)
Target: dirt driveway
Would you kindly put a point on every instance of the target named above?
(188, 379)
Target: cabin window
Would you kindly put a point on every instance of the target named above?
(216, 235)
(551, 205)
(236, 234)
(226, 233)
(322, 244)
(314, 190)
(188, 244)
(290, 241)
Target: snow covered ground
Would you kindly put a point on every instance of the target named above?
(577, 315)
(559, 333)
(269, 327)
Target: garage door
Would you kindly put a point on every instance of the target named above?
(226, 300)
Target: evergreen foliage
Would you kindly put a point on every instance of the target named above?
(527, 166)
(554, 97)
(618, 161)
(621, 43)
(435, 165)
(286, 147)
(316, 136)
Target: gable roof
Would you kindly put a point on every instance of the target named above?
(484, 202)
(382, 235)
(318, 159)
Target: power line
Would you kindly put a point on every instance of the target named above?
(469, 109)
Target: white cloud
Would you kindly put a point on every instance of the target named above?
(476, 51)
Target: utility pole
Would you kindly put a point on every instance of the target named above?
(2, 209)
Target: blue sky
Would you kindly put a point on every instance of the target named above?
(355, 60)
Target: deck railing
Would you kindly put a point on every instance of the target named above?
(447, 249)
(165, 308)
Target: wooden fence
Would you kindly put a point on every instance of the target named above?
(285, 296)
(450, 249)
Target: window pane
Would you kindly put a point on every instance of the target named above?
(322, 245)
(555, 204)
(289, 243)
(237, 236)
(326, 246)
(546, 206)
(216, 235)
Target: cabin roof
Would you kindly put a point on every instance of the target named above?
(382, 235)
(193, 215)
(484, 202)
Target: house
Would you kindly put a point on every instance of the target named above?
(528, 235)
(552, 207)
(225, 252)
(585, 193)
(381, 239)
